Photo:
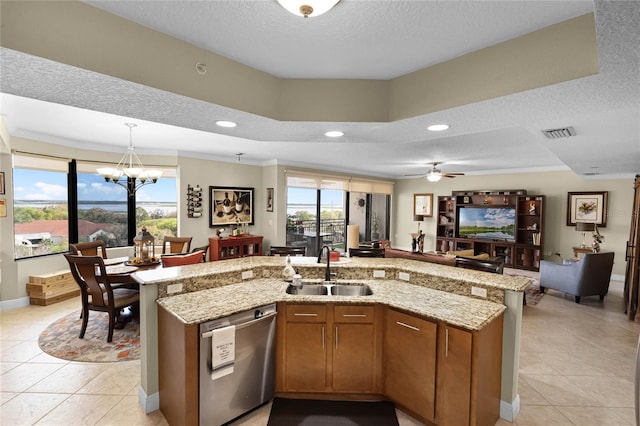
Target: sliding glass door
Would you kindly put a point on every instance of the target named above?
(315, 217)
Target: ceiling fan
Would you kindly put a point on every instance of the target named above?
(435, 174)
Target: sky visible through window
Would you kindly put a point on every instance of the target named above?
(32, 185)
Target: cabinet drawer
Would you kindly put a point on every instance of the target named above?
(306, 313)
(353, 313)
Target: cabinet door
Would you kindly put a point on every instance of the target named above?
(353, 357)
(410, 362)
(454, 376)
(306, 357)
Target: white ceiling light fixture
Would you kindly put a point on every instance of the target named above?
(438, 127)
(434, 175)
(308, 8)
(334, 133)
(129, 173)
(225, 123)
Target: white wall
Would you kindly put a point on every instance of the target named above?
(558, 237)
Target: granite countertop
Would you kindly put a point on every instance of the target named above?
(205, 305)
(168, 275)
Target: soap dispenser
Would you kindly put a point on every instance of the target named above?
(288, 271)
(297, 279)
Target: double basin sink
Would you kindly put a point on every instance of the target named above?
(330, 288)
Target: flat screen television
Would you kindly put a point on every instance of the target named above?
(489, 223)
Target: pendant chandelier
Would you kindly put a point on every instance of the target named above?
(308, 8)
(129, 172)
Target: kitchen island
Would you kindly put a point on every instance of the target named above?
(198, 293)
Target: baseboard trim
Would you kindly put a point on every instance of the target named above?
(149, 403)
(7, 305)
(509, 412)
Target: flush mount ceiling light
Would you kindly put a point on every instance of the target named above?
(130, 168)
(438, 127)
(308, 8)
(334, 133)
(225, 123)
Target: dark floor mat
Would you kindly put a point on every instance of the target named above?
(306, 412)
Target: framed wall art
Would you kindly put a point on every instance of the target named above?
(230, 205)
(2, 183)
(587, 207)
(269, 199)
(423, 205)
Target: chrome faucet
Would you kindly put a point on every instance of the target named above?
(327, 275)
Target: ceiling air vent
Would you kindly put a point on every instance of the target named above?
(564, 132)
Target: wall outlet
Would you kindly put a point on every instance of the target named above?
(247, 274)
(174, 288)
(377, 273)
(404, 276)
(478, 291)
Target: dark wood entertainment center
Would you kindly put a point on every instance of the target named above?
(526, 247)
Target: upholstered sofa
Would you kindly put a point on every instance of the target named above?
(589, 276)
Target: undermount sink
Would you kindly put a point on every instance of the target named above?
(330, 289)
(351, 290)
(308, 290)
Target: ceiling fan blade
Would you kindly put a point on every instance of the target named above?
(449, 176)
(452, 174)
(422, 175)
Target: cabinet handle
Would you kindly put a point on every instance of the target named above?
(336, 337)
(354, 315)
(304, 315)
(408, 326)
(323, 337)
(446, 342)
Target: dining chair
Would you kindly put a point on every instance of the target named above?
(176, 244)
(169, 260)
(290, 250)
(366, 252)
(96, 292)
(204, 249)
(91, 248)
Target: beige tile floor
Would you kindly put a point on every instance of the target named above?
(576, 368)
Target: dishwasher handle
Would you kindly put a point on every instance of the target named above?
(244, 324)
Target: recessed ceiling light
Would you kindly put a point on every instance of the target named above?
(224, 123)
(334, 133)
(438, 127)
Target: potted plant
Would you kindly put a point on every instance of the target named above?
(375, 235)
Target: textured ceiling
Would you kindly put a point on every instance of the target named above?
(61, 104)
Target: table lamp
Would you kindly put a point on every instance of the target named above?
(585, 227)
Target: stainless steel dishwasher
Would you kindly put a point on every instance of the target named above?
(245, 378)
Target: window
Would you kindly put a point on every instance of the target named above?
(58, 201)
(156, 207)
(40, 207)
(318, 207)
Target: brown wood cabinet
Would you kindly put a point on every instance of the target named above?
(354, 351)
(410, 362)
(234, 247)
(469, 374)
(306, 348)
(329, 348)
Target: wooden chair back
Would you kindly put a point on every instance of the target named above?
(172, 245)
(96, 292)
(288, 250)
(91, 248)
(366, 252)
(204, 249)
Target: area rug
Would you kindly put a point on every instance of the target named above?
(533, 293)
(60, 339)
(311, 412)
